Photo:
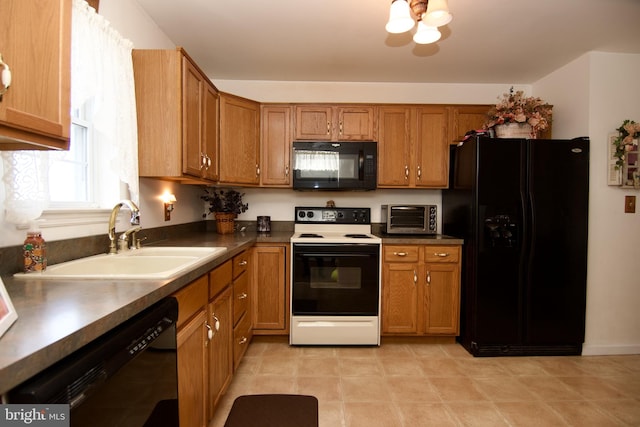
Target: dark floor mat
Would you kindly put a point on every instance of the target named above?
(273, 410)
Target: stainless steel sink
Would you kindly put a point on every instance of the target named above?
(145, 263)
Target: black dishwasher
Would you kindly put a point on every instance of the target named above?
(126, 377)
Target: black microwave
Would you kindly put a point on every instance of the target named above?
(335, 165)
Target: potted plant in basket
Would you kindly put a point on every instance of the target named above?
(514, 110)
(627, 140)
(225, 205)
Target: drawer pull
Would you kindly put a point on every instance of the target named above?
(400, 253)
(243, 295)
(441, 254)
(243, 263)
(242, 340)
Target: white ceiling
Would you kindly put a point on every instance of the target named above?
(488, 41)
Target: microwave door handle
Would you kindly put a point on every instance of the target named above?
(361, 165)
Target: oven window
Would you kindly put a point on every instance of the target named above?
(335, 279)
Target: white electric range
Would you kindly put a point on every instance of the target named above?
(335, 277)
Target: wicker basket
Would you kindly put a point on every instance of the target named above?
(225, 222)
(514, 130)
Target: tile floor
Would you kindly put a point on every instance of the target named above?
(411, 384)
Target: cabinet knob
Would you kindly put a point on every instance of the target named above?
(406, 172)
(419, 172)
(428, 277)
(340, 128)
(243, 295)
(257, 170)
(328, 128)
(441, 254)
(400, 253)
(216, 323)
(415, 277)
(242, 340)
(243, 263)
(286, 170)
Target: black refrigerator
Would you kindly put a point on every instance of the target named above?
(521, 207)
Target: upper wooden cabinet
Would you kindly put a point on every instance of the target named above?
(35, 43)
(335, 122)
(239, 140)
(177, 109)
(275, 145)
(413, 149)
(465, 118)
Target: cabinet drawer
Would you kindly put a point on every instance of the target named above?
(441, 253)
(401, 253)
(220, 278)
(242, 335)
(191, 299)
(240, 296)
(240, 263)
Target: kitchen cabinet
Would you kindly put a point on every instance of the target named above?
(35, 43)
(178, 117)
(335, 122)
(242, 329)
(270, 292)
(239, 140)
(221, 322)
(413, 146)
(465, 118)
(192, 346)
(275, 145)
(421, 290)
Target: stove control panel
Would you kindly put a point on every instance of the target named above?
(311, 215)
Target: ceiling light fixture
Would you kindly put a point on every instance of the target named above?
(430, 15)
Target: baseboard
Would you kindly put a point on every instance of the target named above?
(609, 350)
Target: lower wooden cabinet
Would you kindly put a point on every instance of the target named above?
(192, 346)
(243, 327)
(421, 290)
(220, 345)
(270, 291)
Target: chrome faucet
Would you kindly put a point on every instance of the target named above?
(135, 220)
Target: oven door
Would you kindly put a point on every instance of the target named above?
(337, 279)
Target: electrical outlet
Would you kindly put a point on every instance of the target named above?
(629, 204)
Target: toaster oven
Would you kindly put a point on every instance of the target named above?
(409, 219)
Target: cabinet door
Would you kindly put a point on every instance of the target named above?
(400, 298)
(276, 146)
(192, 371)
(220, 347)
(269, 296)
(394, 146)
(355, 123)
(192, 107)
(239, 140)
(432, 147)
(442, 298)
(35, 42)
(465, 118)
(313, 122)
(210, 132)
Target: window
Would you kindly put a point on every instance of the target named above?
(70, 172)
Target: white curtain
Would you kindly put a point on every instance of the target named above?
(101, 72)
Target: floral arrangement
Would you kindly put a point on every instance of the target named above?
(626, 141)
(229, 201)
(514, 107)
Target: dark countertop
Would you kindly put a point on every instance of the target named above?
(57, 317)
